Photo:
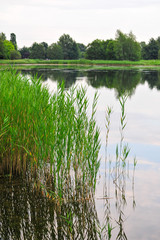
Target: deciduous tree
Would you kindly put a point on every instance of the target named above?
(55, 51)
(13, 40)
(96, 50)
(37, 51)
(2, 53)
(110, 50)
(82, 49)
(2, 36)
(8, 47)
(15, 54)
(25, 52)
(69, 47)
(126, 47)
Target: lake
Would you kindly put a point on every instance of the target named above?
(124, 207)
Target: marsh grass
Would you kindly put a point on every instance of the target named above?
(48, 138)
(83, 62)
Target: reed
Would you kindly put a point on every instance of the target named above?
(49, 138)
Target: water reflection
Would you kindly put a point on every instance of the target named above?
(117, 174)
(123, 81)
(26, 214)
(152, 77)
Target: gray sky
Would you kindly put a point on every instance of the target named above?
(84, 20)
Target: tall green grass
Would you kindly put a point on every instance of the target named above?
(49, 138)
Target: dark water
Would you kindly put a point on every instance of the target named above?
(132, 207)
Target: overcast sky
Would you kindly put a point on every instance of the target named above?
(84, 20)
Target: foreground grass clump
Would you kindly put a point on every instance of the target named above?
(50, 138)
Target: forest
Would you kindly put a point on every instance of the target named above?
(123, 47)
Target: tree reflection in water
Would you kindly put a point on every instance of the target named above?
(27, 214)
(123, 81)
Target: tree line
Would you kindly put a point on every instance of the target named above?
(123, 47)
(8, 48)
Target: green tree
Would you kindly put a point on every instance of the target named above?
(37, 51)
(8, 47)
(120, 46)
(15, 54)
(150, 50)
(45, 45)
(2, 52)
(153, 49)
(82, 49)
(69, 47)
(134, 48)
(126, 47)
(110, 50)
(2, 36)
(13, 40)
(143, 50)
(55, 51)
(25, 52)
(96, 50)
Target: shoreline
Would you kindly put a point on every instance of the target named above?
(81, 63)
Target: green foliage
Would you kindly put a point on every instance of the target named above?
(143, 50)
(55, 51)
(152, 49)
(126, 47)
(37, 51)
(45, 45)
(2, 36)
(15, 54)
(13, 40)
(110, 50)
(82, 49)
(8, 47)
(96, 50)
(4, 127)
(69, 47)
(2, 53)
(25, 52)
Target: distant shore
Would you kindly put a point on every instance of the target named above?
(81, 62)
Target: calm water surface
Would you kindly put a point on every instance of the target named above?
(135, 214)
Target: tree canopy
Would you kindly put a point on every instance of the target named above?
(13, 40)
(123, 47)
(8, 49)
(150, 50)
(69, 47)
(37, 51)
(96, 50)
(25, 52)
(126, 47)
(55, 51)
